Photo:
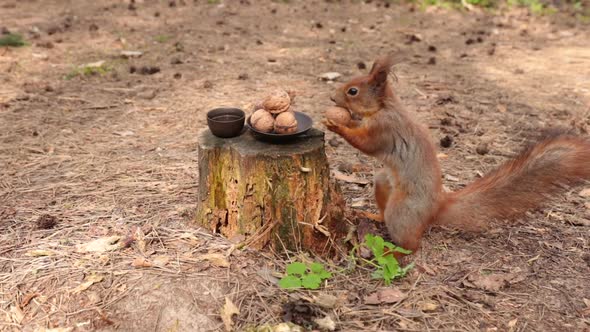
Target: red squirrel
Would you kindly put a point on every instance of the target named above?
(408, 190)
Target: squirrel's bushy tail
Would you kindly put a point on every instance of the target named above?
(537, 175)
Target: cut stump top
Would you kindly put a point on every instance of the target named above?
(247, 144)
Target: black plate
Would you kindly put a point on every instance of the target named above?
(304, 123)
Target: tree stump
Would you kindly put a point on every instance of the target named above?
(277, 195)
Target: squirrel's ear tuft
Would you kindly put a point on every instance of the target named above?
(382, 64)
(379, 72)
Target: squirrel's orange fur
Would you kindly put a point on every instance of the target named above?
(408, 190)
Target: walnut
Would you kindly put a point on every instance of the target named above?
(277, 102)
(285, 123)
(262, 121)
(339, 115)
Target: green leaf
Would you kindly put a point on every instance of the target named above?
(316, 267)
(296, 268)
(290, 282)
(311, 281)
(325, 275)
(402, 250)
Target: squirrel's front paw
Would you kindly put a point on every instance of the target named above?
(333, 126)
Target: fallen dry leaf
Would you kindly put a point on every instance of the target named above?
(27, 299)
(192, 239)
(386, 295)
(350, 179)
(141, 262)
(585, 192)
(16, 314)
(100, 245)
(227, 311)
(218, 260)
(57, 329)
(39, 253)
(326, 300)
(512, 324)
(494, 282)
(325, 324)
(161, 260)
(429, 306)
(89, 281)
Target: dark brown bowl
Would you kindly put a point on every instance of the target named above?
(304, 123)
(226, 122)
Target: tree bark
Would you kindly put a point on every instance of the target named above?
(277, 195)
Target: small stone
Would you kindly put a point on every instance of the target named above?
(413, 38)
(431, 48)
(243, 76)
(131, 54)
(148, 70)
(177, 76)
(361, 65)
(330, 76)
(482, 149)
(207, 84)
(334, 142)
(446, 141)
(175, 61)
(53, 30)
(432, 61)
(148, 94)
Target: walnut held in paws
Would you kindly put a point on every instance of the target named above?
(277, 102)
(262, 121)
(285, 123)
(338, 115)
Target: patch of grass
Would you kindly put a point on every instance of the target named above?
(162, 38)
(89, 70)
(535, 6)
(12, 40)
(213, 2)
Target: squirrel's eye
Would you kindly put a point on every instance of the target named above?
(352, 91)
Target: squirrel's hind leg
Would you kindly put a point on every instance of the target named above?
(383, 188)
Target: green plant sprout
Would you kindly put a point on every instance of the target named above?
(387, 266)
(99, 68)
(300, 275)
(12, 40)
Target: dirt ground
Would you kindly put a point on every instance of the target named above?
(84, 157)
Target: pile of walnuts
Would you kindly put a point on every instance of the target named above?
(275, 113)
